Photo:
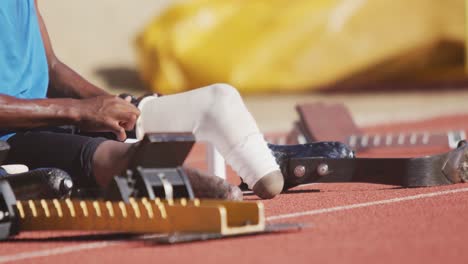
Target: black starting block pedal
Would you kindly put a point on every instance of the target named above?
(155, 169)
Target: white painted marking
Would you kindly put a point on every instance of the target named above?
(454, 137)
(364, 140)
(450, 137)
(306, 185)
(413, 138)
(401, 139)
(352, 140)
(281, 141)
(301, 139)
(388, 139)
(55, 251)
(425, 139)
(462, 134)
(361, 205)
(376, 140)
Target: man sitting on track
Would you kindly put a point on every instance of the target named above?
(38, 94)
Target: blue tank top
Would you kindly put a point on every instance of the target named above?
(23, 63)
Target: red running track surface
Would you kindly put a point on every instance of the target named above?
(347, 223)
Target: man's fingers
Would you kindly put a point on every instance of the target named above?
(126, 103)
(118, 131)
(128, 125)
(127, 120)
(128, 109)
(121, 135)
(134, 110)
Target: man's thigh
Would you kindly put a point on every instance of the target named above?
(69, 152)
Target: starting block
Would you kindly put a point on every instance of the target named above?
(181, 216)
(155, 170)
(333, 122)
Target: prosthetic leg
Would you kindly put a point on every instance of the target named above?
(217, 114)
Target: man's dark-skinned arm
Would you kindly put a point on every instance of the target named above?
(101, 113)
(90, 108)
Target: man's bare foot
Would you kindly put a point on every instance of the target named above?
(213, 187)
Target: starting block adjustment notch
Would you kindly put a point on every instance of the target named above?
(142, 216)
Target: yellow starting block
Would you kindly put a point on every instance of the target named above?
(180, 219)
(142, 216)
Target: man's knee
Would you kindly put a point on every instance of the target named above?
(222, 91)
(223, 97)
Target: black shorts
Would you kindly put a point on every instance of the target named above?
(56, 148)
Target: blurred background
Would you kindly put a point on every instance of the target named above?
(387, 60)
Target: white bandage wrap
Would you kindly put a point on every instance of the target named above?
(215, 114)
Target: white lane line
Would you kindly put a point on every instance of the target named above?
(302, 186)
(76, 248)
(55, 251)
(361, 205)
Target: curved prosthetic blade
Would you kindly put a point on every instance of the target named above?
(442, 169)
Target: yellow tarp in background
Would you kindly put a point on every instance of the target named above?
(279, 45)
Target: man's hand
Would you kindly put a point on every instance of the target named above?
(107, 113)
(71, 101)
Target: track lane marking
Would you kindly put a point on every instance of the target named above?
(361, 205)
(89, 246)
(55, 251)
